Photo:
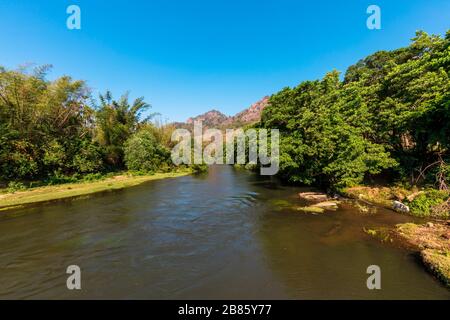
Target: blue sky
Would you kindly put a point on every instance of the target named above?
(187, 57)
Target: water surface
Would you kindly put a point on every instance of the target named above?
(216, 236)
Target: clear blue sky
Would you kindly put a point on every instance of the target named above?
(187, 57)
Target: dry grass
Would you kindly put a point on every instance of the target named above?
(428, 236)
(377, 195)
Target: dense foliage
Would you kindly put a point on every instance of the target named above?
(426, 204)
(144, 153)
(389, 116)
(49, 130)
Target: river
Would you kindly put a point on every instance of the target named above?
(213, 236)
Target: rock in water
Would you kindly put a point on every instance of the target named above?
(313, 196)
(327, 204)
(400, 207)
(311, 209)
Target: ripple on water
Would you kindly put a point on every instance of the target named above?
(214, 236)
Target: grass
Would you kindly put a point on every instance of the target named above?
(433, 242)
(428, 203)
(438, 262)
(381, 233)
(377, 195)
(50, 193)
(408, 229)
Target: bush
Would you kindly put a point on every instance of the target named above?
(14, 186)
(423, 204)
(144, 153)
(18, 160)
(93, 177)
(88, 159)
(199, 168)
(59, 178)
(54, 155)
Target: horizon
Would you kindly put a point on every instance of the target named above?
(248, 50)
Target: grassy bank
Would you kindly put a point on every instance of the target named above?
(430, 240)
(424, 203)
(69, 190)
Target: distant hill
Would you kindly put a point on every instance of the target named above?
(249, 115)
(210, 119)
(216, 119)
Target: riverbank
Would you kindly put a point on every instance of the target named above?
(424, 203)
(33, 196)
(430, 240)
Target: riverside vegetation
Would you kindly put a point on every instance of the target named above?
(380, 132)
(385, 123)
(53, 132)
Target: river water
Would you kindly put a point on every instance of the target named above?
(218, 235)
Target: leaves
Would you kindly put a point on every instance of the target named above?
(391, 112)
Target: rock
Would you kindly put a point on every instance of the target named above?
(412, 196)
(313, 196)
(216, 119)
(326, 204)
(400, 207)
(429, 225)
(311, 209)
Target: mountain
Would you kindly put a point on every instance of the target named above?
(216, 119)
(210, 119)
(249, 115)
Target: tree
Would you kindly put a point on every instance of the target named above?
(144, 153)
(42, 123)
(116, 122)
(389, 115)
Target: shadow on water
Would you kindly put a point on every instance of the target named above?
(227, 234)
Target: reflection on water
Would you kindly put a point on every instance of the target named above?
(213, 236)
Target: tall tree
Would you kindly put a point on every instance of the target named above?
(116, 122)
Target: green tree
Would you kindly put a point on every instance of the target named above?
(116, 122)
(41, 123)
(144, 153)
(389, 115)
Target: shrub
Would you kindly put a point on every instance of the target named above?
(59, 178)
(88, 159)
(144, 153)
(54, 155)
(14, 186)
(93, 177)
(199, 168)
(424, 203)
